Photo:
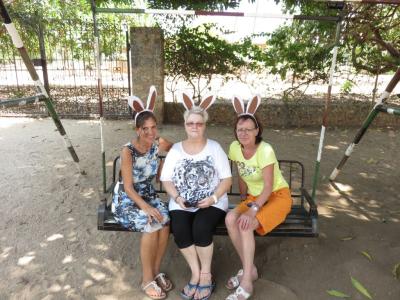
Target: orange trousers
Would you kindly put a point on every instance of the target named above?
(273, 212)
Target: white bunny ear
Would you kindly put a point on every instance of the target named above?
(135, 103)
(207, 102)
(188, 102)
(151, 99)
(238, 105)
(253, 105)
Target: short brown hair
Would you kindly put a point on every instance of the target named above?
(256, 122)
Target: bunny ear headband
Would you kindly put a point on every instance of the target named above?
(137, 105)
(205, 104)
(251, 108)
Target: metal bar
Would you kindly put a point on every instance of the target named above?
(100, 90)
(326, 112)
(43, 59)
(21, 101)
(371, 116)
(363, 1)
(388, 110)
(211, 13)
(16, 39)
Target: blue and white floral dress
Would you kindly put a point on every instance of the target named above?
(144, 170)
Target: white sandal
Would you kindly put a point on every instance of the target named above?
(160, 294)
(234, 281)
(164, 282)
(239, 292)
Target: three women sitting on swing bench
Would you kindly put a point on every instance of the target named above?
(197, 176)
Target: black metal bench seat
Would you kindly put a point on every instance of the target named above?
(301, 222)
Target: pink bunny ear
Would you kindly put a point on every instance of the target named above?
(238, 105)
(253, 105)
(207, 102)
(151, 99)
(135, 103)
(187, 101)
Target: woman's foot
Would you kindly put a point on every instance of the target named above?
(189, 290)
(152, 290)
(205, 288)
(164, 282)
(239, 294)
(234, 281)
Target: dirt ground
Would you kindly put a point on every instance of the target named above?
(50, 247)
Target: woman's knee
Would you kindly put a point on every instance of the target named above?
(231, 219)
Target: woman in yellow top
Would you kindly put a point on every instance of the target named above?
(265, 195)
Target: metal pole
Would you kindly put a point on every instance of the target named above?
(100, 91)
(326, 111)
(371, 116)
(43, 59)
(211, 13)
(12, 31)
(128, 61)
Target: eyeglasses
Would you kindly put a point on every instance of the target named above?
(244, 130)
(194, 124)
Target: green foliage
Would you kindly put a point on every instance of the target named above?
(347, 87)
(198, 52)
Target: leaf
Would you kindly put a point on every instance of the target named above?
(396, 271)
(360, 288)
(367, 255)
(347, 238)
(338, 294)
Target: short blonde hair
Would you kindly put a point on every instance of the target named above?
(197, 111)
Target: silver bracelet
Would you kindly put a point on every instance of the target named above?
(215, 198)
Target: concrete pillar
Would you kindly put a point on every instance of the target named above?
(147, 51)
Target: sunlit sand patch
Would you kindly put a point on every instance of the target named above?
(59, 166)
(54, 288)
(88, 193)
(25, 260)
(8, 122)
(344, 187)
(330, 147)
(343, 202)
(5, 252)
(87, 283)
(43, 245)
(67, 259)
(93, 261)
(368, 176)
(359, 217)
(101, 247)
(66, 287)
(96, 275)
(70, 219)
(54, 237)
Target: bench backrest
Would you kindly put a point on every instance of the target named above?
(292, 170)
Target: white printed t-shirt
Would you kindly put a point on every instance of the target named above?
(196, 176)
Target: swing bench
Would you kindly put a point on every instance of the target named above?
(300, 222)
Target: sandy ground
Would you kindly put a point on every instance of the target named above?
(50, 247)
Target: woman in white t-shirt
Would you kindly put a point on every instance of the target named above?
(197, 176)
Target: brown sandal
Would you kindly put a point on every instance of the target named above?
(157, 292)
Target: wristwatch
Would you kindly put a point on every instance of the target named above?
(254, 206)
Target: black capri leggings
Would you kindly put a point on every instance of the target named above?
(196, 227)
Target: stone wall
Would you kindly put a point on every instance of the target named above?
(147, 52)
(82, 103)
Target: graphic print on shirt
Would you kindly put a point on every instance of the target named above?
(195, 179)
(245, 170)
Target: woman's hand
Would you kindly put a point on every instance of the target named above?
(153, 213)
(206, 202)
(181, 202)
(247, 220)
